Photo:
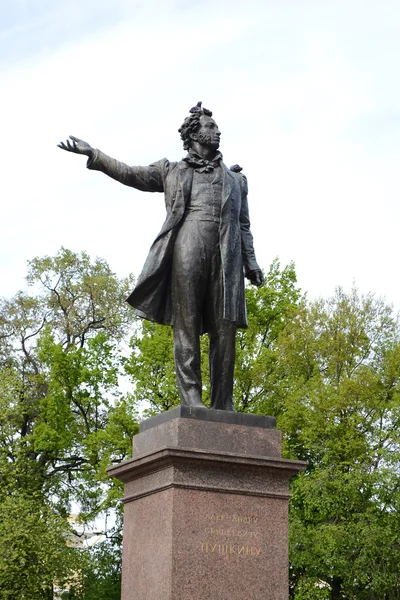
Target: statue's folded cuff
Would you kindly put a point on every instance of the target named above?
(92, 159)
(250, 267)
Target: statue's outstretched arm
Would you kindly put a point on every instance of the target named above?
(147, 179)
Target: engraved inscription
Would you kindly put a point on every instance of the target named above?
(237, 549)
(232, 536)
(232, 518)
(242, 533)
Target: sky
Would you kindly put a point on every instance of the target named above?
(306, 94)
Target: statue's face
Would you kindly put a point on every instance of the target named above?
(208, 135)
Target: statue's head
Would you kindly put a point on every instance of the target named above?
(200, 127)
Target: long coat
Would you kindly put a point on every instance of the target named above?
(152, 295)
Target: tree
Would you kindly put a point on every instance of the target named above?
(259, 385)
(342, 415)
(151, 368)
(34, 557)
(100, 572)
(63, 418)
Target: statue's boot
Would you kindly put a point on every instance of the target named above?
(229, 406)
(192, 398)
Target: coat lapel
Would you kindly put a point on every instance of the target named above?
(178, 201)
(227, 185)
(185, 180)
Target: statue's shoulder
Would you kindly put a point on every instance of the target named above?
(237, 170)
(165, 166)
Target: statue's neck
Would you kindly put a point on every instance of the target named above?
(204, 151)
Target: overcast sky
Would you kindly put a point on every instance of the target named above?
(305, 92)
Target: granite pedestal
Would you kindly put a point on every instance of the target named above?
(206, 508)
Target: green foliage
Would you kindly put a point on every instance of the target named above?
(259, 384)
(100, 574)
(341, 414)
(311, 589)
(34, 558)
(82, 295)
(63, 419)
(328, 370)
(151, 367)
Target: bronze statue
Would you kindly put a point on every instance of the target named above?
(193, 278)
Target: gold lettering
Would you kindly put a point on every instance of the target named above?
(247, 519)
(254, 534)
(218, 527)
(213, 531)
(230, 549)
(216, 517)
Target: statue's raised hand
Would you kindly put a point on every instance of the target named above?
(76, 145)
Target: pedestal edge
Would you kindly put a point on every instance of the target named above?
(164, 457)
(204, 488)
(207, 414)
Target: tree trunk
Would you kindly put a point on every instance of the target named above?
(336, 588)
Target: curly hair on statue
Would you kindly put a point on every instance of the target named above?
(192, 124)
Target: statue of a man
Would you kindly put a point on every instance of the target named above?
(193, 278)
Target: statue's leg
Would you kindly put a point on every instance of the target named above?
(222, 335)
(222, 364)
(188, 284)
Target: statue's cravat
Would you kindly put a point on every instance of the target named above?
(201, 164)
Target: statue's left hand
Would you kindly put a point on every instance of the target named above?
(256, 277)
(76, 145)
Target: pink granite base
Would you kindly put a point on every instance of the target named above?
(201, 522)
